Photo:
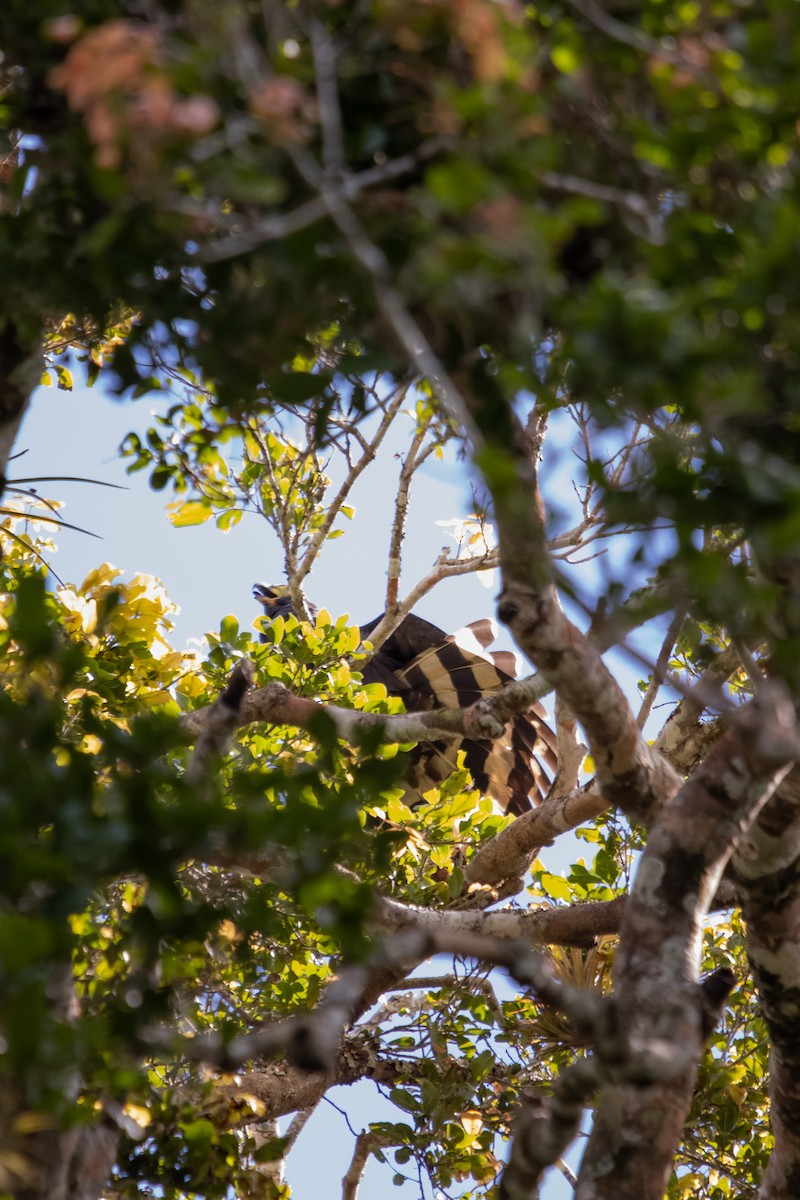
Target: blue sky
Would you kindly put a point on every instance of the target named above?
(210, 574)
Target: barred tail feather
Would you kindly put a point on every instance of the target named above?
(516, 769)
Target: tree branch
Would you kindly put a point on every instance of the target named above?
(221, 721)
(575, 925)
(334, 507)
(366, 1142)
(272, 229)
(279, 706)
(630, 774)
(690, 844)
(766, 868)
(20, 372)
(409, 466)
(660, 671)
(508, 855)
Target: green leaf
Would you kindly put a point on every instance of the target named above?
(29, 622)
(298, 386)
(229, 629)
(198, 1133)
(565, 59)
(226, 520)
(455, 882)
(404, 1100)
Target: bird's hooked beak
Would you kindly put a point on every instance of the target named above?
(275, 599)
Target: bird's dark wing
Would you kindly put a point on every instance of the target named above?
(429, 669)
(413, 637)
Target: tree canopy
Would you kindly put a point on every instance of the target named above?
(541, 231)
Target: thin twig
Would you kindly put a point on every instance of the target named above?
(631, 201)
(618, 31)
(271, 229)
(660, 669)
(333, 508)
(410, 463)
(330, 113)
(411, 338)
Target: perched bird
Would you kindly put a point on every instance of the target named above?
(428, 668)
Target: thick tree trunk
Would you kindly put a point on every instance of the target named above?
(20, 372)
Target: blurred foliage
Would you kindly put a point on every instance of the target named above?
(115, 872)
(597, 211)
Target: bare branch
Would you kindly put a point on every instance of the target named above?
(576, 925)
(662, 662)
(20, 373)
(683, 740)
(330, 114)
(265, 229)
(271, 229)
(508, 855)
(397, 317)
(651, 223)
(571, 753)
(366, 1142)
(630, 774)
(278, 706)
(445, 567)
(618, 31)
(297, 1125)
(334, 507)
(409, 466)
(766, 869)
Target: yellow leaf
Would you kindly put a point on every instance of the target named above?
(192, 685)
(105, 573)
(139, 1115)
(472, 1122)
(556, 886)
(397, 811)
(688, 1185)
(82, 613)
(256, 1106)
(350, 640)
(171, 660)
(565, 59)
(193, 512)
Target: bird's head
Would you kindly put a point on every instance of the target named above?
(275, 599)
